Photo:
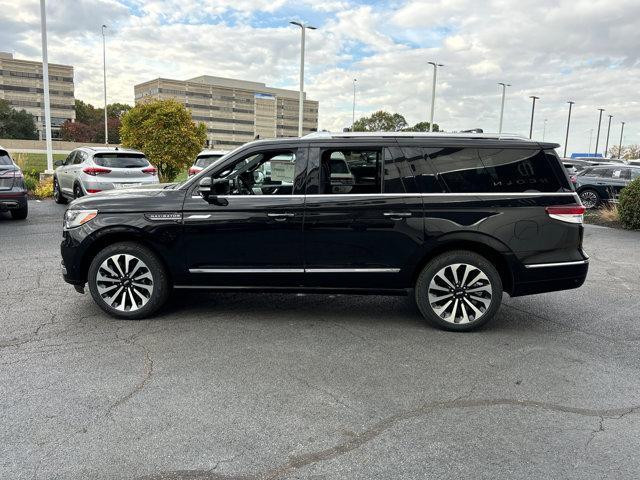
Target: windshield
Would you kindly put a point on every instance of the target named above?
(205, 160)
(5, 159)
(121, 160)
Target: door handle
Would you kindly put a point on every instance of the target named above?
(397, 215)
(280, 217)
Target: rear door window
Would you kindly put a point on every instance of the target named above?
(398, 174)
(120, 160)
(461, 169)
(204, 161)
(350, 170)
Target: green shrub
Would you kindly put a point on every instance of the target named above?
(629, 206)
(30, 182)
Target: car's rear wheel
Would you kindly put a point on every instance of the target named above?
(58, 197)
(20, 213)
(589, 198)
(127, 280)
(77, 191)
(458, 290)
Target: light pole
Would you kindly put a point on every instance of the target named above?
(598, 134)
(533, 109)
(104, 79)
(566, 138)
(303, 28)
(353, 115)
(45, 86)
(620, 145)
(590, 139)
(433, 91)
(606, 147)
(544, 129)
(504, 88)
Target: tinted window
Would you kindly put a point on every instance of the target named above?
(120, 160)
(346, 170)
(471, 170)
(602, 172)
(205, 160)
(398, 172)
(5, 159)
(265, 173)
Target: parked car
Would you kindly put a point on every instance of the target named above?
(581, 164)
(634, 162)
(89, 170)
(13, 192)
(603, 183)
(204, 159)
(454, 220)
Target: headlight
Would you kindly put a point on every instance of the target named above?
(75, 218)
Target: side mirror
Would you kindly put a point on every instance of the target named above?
(209, 189)
(58, 163)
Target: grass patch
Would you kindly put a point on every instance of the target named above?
(35, 161)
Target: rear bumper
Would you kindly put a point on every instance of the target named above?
(550, 277)
(12, 199)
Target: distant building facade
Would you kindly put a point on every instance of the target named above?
(21, 84)
(235, 111)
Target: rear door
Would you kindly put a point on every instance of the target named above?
(361, 227)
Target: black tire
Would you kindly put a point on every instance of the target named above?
(20, 213)
(58, 196)
(590, 198)
(77, 191)
(478, 306)
(160, 285)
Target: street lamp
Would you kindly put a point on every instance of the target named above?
(598, 134)
(104, 78)
(533, 109)
(303, 28)
(45, 86)
(353, 115)
(433, 91)
(620, 146)
(566, 138)
(606, 148)
(504, 88)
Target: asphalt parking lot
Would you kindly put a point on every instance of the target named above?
(230, 386)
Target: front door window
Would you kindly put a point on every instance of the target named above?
(265, 173)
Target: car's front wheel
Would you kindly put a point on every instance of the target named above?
(127, 280)
(77, 191)
(458, 290)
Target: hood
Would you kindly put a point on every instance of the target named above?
(155, 197)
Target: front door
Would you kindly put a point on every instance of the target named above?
(253, 235)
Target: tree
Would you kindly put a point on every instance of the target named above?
(422, 127)
(629, 152)
(77, 132)
(116, 110)
(380, 121)
(16, 124)
(166, 133)
(88, 114)
(113, 125)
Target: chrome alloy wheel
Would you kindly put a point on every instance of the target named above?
(124, 282)
(589, 198)
(460, 293)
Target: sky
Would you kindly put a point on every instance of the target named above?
(586, 51)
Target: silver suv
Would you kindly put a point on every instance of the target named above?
(90, 170)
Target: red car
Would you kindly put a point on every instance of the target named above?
(204, 159)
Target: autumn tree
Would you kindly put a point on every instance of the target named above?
(166, 133)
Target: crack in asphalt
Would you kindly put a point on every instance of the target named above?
(357, 440)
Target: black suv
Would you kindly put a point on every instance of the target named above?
(456, 219)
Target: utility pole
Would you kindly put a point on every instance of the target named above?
(504, 88)
(620, 146)
(303, 29)
(45, 85)
(104, 78)
(433, 92)
(606, 148)
(533, 109)
(353, 115)
(566, 138)
(598, 134)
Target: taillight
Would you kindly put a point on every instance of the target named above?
(11, 174)
(568, 213)
(93, 190)
(150, 170)
(193, 171)
(95, 170)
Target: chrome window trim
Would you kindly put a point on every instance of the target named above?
(556, 264)
(444, 194)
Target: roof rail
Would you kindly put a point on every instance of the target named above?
(488, 136)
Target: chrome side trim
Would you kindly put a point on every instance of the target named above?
(294, 270)
(246, 270)
(557, 264)
(198, 217)
(351, 270)
(443, 194)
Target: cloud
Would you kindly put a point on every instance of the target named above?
(559, 50)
